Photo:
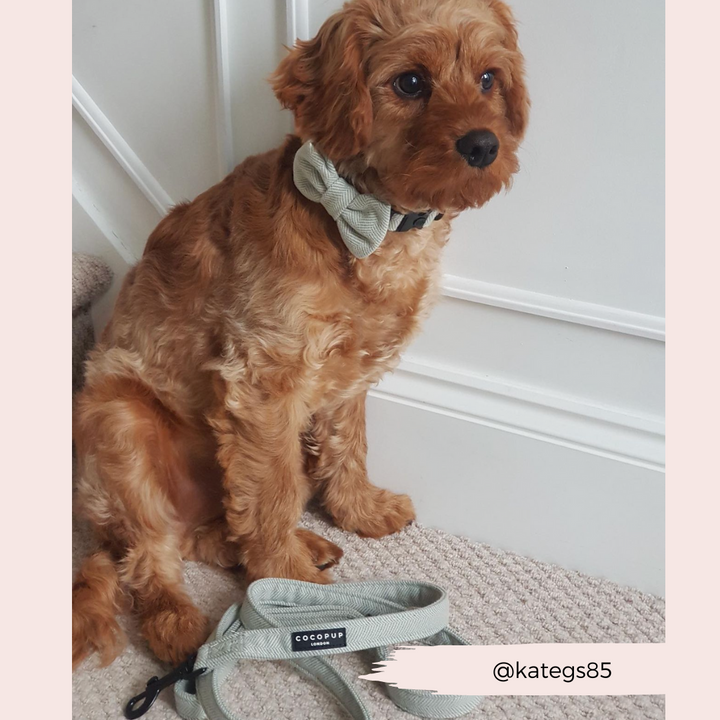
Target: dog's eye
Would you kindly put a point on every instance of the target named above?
(486, 81)
(409, 85)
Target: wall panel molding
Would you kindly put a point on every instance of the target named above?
(454, 286)
(121, 151)
(506, 423)
(297, 13)
(527, 411)
(223, 89)
(532, 412)
(555, 307)
(551, 306)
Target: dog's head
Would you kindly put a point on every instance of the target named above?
(422, 103)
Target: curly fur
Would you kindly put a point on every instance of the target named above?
(229, 387)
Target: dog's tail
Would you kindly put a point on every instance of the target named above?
(96, 600)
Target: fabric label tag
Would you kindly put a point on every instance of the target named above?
(319, 639)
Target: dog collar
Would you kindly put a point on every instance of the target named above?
(362, 219)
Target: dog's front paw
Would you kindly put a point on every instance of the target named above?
(302, 558)
(376, 513)
(324, 553)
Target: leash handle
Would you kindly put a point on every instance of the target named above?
(293, 621)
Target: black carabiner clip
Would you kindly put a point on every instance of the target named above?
(141, 703)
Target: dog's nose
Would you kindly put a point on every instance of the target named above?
(478, 147)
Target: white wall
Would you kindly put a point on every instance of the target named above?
(530, 413)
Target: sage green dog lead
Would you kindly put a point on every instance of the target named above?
(300, 622)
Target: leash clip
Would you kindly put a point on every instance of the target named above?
(141, 703)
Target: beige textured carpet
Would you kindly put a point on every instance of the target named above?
(496, 597)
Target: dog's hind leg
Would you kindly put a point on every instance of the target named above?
(126, 450)
(171, 623)
(96, 596)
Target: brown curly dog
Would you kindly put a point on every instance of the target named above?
(229, 387)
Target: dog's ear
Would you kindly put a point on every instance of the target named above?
(323, 82)
(514, 88)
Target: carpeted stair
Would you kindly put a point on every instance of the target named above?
(91, 277)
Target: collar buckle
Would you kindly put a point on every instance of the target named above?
(415, 221)
(412, 221)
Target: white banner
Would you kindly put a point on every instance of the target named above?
(547, 669)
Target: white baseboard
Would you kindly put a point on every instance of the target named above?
(579, 510)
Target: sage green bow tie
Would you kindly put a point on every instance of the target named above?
(362, 219)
